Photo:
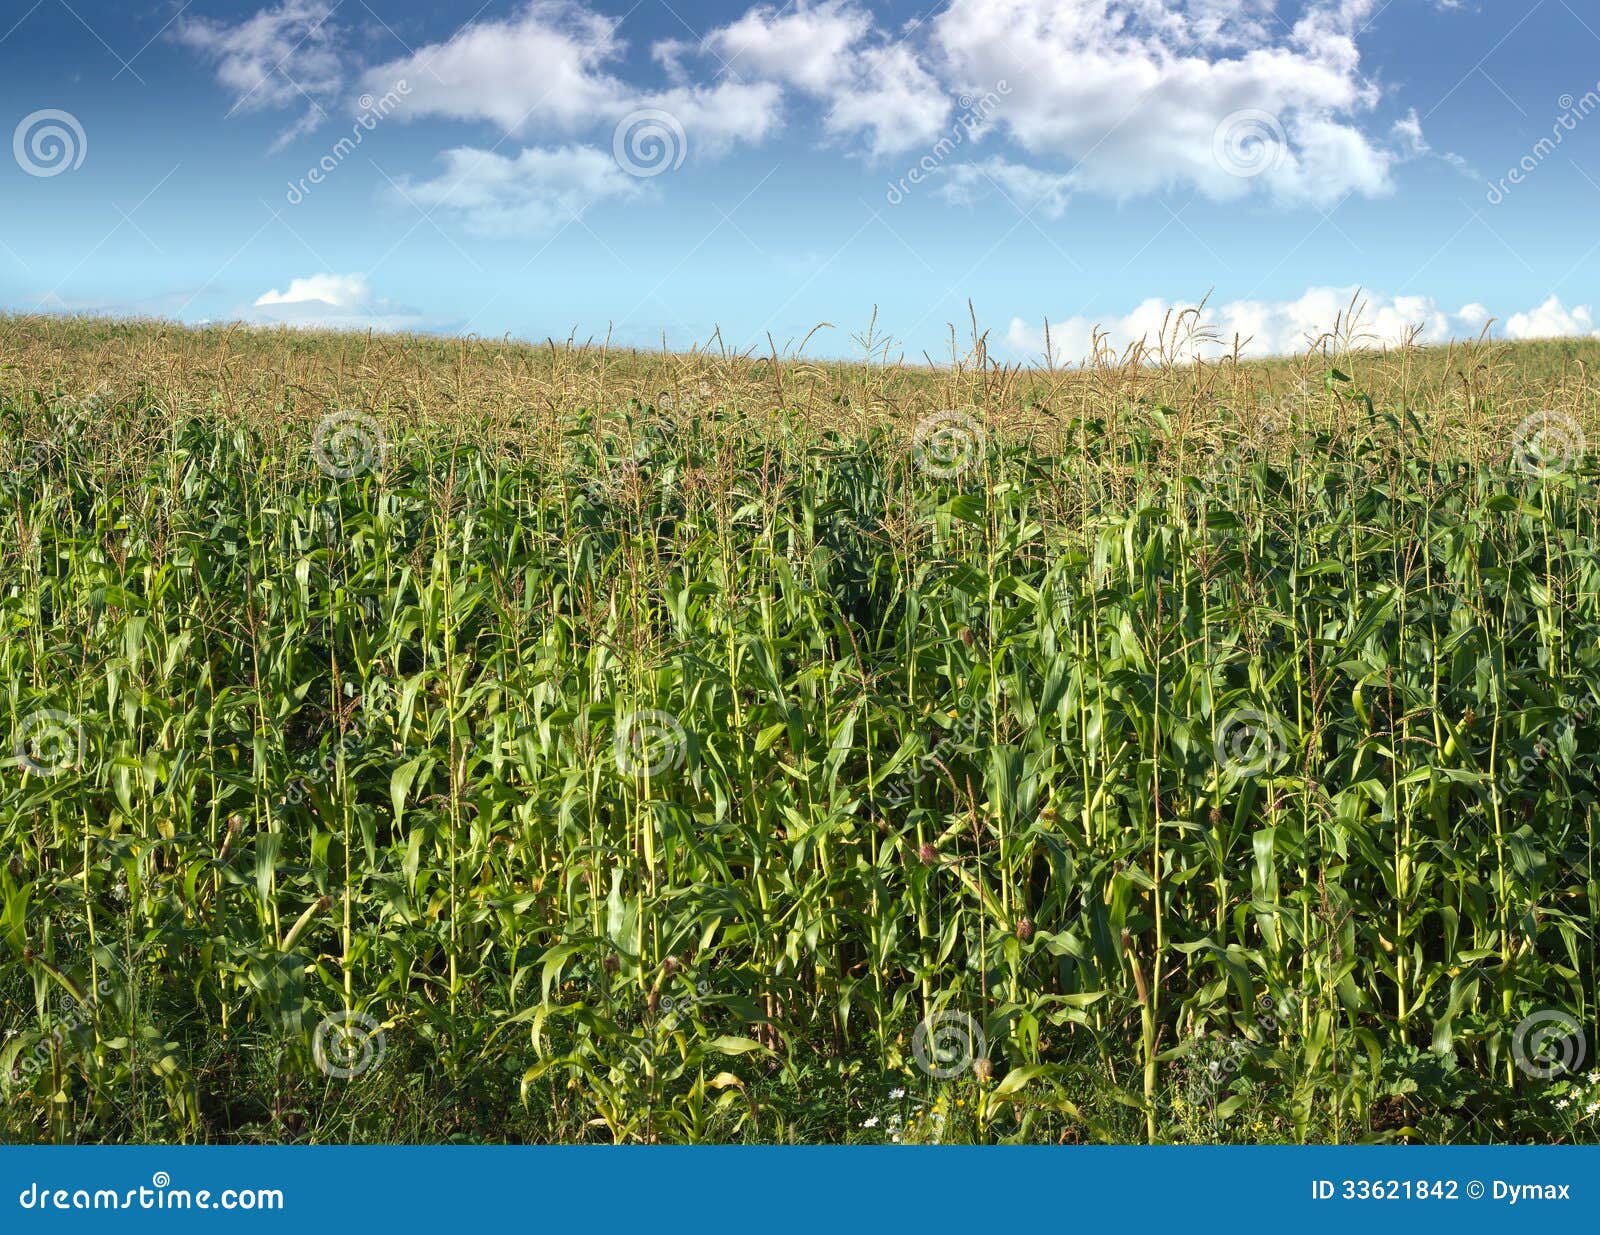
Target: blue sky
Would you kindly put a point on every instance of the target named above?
(676, 170)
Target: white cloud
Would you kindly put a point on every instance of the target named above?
(1550, 320)
(830, 51)
(1114, 97)
(547, 70)
(893, 101)
(806, 46)
(496, 194)
(1408, 132)
(282, 57)
(1282, 327)
(328, 289)
(714, 117)
(1410, 144)
(1027, 188)
(1138, 96)
(540, 69)
(335, 302)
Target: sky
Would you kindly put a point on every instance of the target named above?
(848, 176)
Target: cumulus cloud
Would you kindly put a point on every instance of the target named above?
(869, 84)
(1139, 96)
(1113, 97)
(1551, 320)
(542, 68)
(893, 101)
(497, 194)
(334, 302)
(1281, 327)
(287, 56)
(325, 289)
(802, 45)
(549, 69)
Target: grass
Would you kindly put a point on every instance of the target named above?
(425, 739)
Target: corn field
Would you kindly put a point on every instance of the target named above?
(413, 740)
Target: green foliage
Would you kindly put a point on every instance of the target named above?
(653, 778)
